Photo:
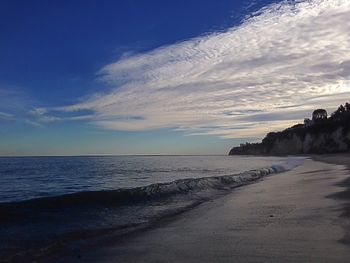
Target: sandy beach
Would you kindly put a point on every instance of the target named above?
(296, 216)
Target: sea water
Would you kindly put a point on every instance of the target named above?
(48, 203)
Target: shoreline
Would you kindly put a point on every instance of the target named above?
(189, 193)
(293, 216)
(339, 159)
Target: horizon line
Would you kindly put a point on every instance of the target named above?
(107, 155)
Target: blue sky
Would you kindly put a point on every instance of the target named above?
(164, 77)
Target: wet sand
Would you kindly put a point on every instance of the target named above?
(297, 216)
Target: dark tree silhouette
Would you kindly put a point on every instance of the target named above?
(342, 112)
(347, 107)
(319, 114)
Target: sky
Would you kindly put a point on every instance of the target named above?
(165, 77)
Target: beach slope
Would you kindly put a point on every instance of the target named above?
(296, 216)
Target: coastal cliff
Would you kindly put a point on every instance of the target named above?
(317, 136)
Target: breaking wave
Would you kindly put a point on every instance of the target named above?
(149, 192)
(50, 224)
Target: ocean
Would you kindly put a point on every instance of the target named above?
(53, 203)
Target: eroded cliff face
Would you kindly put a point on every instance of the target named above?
(318, 143)
(296, 142)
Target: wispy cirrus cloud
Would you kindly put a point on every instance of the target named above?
(264, 74)
(4, 115)
(14, 103)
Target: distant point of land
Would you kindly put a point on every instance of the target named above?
(319, 135)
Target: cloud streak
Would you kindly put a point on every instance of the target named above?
(263, 74)
(6, 116)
